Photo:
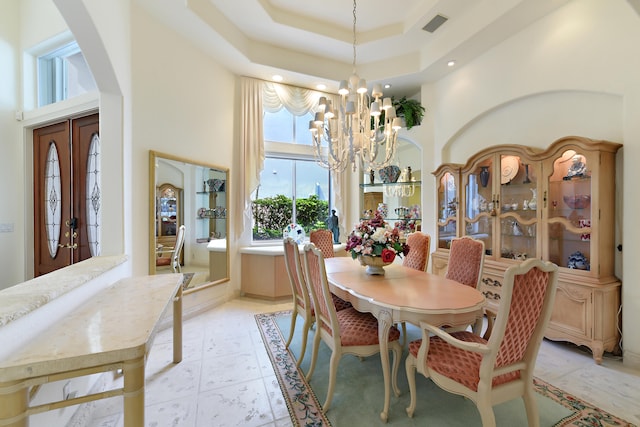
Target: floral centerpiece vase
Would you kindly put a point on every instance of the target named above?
(374, 264)
(375, 244)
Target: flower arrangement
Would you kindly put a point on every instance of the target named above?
(406, 225)
(375, 237)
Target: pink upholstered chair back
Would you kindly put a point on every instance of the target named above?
(323, 240)
(466, 260)
(319, 288)
(527, 308)
(295, 273)
(418, 257)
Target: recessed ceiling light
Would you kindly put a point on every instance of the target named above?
(277, 78)
(451, 63)
(321, 86)
(387, 86)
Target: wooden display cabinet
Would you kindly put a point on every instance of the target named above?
(556, 204)
(168, 216)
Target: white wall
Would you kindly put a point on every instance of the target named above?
(575, 72)
(11, 206)
(184, 104)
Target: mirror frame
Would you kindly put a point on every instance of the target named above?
(153, 156)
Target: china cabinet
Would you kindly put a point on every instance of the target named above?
(556, 204)
(168, 215)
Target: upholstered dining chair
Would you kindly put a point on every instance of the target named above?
(346, 331)
(418, 256)
(489, 372)
(302, 305)
(466, 260)
(323, 239)
(174, 252)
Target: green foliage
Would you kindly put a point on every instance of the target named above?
(410, 109)
(272, 214)
(311, 210)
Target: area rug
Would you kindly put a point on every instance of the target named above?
(358, 396)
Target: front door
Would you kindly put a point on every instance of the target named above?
(66, 193)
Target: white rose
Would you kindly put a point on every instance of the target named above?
(379, 235)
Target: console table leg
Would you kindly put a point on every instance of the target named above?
(134, 392)
(13, 404)
(177, 327)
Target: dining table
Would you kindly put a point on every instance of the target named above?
(403, 294)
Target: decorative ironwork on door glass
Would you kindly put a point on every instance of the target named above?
(53, 200)
(94, 196)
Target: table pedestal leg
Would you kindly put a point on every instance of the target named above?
(134, 392)
(13, 404)
(384, 324)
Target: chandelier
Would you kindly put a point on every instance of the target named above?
(362, 129)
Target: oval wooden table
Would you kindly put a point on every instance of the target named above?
(403, 294)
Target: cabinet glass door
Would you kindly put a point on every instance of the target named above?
(569, 211)
(168, 210)
(448, 209)
(518, 207)
(480, 206)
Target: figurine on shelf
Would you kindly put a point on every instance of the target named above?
(533, 203)
(577, 169)
(332, 224)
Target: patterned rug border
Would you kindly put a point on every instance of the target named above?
(305, 410)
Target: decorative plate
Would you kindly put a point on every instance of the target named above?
(295, 232)
(510, 166)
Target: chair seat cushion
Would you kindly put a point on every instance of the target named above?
(339, 303)
(358, 328)
(163, 261)
(460, 365)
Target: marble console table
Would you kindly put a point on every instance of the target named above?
(112, 330)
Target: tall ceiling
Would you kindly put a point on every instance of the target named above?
(311, 42)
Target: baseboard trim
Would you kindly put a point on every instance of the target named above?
(631, 359)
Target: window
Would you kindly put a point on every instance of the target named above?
(293, 187)
(63, 74)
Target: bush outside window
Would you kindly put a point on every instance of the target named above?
(293, 188)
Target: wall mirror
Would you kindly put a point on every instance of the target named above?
(193, 194)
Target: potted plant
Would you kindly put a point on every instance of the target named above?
(409, 109)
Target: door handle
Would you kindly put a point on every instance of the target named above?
(72, 223)
(74, 246)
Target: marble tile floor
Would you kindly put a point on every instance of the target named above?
(226, 378)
